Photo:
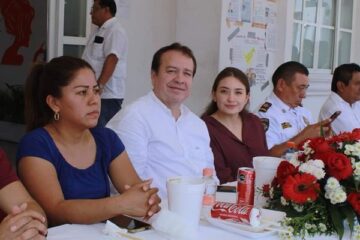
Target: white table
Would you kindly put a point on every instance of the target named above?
(206, 231)
(94, 232)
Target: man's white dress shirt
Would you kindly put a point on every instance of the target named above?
(349, 117)
(110, 38)
(159, 146)
(283, 122)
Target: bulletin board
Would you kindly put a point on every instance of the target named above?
(248, 41)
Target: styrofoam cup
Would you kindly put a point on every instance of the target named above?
(185, 196)
(265, 171)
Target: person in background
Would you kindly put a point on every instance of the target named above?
(162, 136)
(283, 116)
(344, 97)
(236, 135)
(106, 51)
(20, 216)
(64, 161)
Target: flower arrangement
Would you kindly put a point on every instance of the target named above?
(320, 189)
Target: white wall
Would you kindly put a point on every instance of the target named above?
(150, 25)
(198, 26)
(154, 24)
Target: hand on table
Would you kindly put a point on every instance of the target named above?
(23, 224)
(143, 200)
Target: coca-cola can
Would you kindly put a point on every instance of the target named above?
(237, 213)
(245, 186)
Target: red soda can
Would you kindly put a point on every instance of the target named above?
(237, 213)
(245, 186)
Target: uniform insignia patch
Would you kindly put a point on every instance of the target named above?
(265, 123)
(265, 107)
(306, 121)
(286, 125)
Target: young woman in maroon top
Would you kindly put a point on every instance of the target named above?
(236, 135)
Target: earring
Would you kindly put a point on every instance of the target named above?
(56, 116)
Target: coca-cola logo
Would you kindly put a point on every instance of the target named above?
(242, 177)
(233, 208)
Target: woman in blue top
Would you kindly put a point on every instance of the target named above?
(65, 162)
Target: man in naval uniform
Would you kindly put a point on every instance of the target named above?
(283, 116)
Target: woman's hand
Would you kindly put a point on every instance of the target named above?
(23, 224)
(140, 200)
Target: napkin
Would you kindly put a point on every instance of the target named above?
(173, 226)
(116, 232)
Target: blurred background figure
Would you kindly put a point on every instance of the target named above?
(344, 97)
(106, 51)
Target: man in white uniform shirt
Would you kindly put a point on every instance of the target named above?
(344, 97)
(162, 136)
(106, 51)
(283, 116)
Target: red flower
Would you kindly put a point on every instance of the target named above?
(355, 134)
(266, 190)
(354, 200)
(320, 145)
(346, 136)
(301, 188)
(285, 169)
(337, 165)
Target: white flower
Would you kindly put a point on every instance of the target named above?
(308, 225)
(298, 208)
(332, 183)
(356, 167)
(271, 192)
(294, 161)
(313, 167)
(356, 233)
(349, 147)
(322, 227)
(283, 201)
(290, 229)
(286, 236)
(337, 196)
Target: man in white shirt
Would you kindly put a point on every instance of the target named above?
(106, 51)
(283, 116)
(344, 97)
(162, 136)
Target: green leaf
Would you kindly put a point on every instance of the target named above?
(350, 216)
(357, 183)
(337, 220)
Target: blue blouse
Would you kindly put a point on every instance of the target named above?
(89, 183)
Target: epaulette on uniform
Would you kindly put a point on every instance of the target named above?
(265, 107)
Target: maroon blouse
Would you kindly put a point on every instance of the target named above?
(229, 152)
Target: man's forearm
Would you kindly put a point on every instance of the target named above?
(108, 69)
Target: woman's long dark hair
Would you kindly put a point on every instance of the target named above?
(48, 79)
(226, 72)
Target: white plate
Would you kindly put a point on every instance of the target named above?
(239, 228)
(246, 229)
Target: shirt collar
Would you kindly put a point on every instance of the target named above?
(183, 109)
(278, 102)
(339, 99)
(108, 22)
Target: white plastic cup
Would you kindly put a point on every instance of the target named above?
(185, 196)
(265, 171)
